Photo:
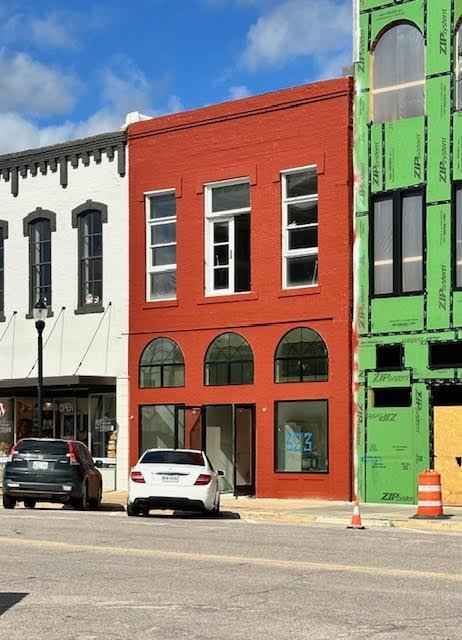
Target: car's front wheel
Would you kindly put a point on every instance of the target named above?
(9, 502)
(30, 503)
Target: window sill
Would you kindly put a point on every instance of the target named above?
(230, 297)
(159, 304)
(30, 315)
(303, 473)
(90, 308)
(302, 291)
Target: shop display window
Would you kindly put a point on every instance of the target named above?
(6, 425)
(103, 443)
(301, 436)
(157, 427)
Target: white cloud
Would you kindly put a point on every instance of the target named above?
(124, 89)
(320, 29)
(60, 29)
(30, 87)
(239, 91)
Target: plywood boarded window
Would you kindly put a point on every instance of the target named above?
(398, 83)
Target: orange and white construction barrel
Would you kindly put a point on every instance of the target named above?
(429, 500)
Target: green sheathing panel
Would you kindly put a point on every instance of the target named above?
(396, 449)
(438, 58)
(377, 181)
(413, 11)
(361, 152)
(404, 153)
(384, 379)
(361, 441)
(362, 66)
(390, 456)
(457, 153)
(438, 266)
(421, 417)
(397, 314)
(373, 4)
(439, 132)
(366, 356)
(416, 355)
(362, 274)
(457, 308)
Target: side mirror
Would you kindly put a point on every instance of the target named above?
(220, 472)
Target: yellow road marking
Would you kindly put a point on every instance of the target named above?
(209, 557)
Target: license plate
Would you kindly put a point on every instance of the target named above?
(169, 477)
(39, 465)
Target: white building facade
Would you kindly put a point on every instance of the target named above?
(64, 238)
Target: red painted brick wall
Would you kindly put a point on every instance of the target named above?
(255, 137)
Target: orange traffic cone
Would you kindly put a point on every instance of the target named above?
(356, 518)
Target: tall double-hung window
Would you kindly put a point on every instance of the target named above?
(40, 261)
(397, 245)
(227, 237)
(398, 86)
(300, 227)
(2, 271)
(161, 245)
(91, 258)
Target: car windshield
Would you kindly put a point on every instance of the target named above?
(173, 457)
(51, 447)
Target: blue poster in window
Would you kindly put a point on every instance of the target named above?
(298, 441)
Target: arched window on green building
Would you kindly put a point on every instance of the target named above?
(398, 81)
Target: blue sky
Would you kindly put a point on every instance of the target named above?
(73, 68)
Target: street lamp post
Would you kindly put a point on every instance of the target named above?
(40, 313)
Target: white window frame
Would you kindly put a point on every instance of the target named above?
(221, 216)
(296, 253)
(149, 247)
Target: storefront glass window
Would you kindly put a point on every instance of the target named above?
(157, 427)
(6, 425)
(301, 437)
(103, 427)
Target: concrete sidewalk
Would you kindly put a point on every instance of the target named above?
(324, 512)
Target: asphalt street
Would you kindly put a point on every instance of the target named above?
(94, 576)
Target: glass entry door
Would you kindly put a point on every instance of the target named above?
(229, 444)
(188, 428)
(244, 483)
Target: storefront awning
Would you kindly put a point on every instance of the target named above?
(60, 382)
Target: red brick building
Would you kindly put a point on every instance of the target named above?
(241, 288)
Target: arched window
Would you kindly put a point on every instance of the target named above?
(398, 89)
(229, 360)
(458, 56)
(301, 356)
(162, 364)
